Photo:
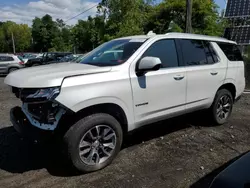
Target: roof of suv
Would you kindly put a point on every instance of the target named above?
(181, 36)
(10, 55)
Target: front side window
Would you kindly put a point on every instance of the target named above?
(165, 50)
(231, 51)
(194, 52)
(113, 53)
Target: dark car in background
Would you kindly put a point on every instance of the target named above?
(76, 58)
(67, 58)
(46, 58)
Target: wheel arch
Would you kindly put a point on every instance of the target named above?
(230, 87)
(110, 108)
(15, 67)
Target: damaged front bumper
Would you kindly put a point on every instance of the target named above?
(25, 128)
(39, 115)
(49, 121)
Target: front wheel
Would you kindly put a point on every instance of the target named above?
(93, 142)
(222, 106)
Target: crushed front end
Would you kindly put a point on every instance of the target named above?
(39, 115)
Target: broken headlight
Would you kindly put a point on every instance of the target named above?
(39, 95)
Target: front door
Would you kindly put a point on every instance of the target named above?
(160, 93)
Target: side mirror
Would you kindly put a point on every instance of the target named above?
(147, 64)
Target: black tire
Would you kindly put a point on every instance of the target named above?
(73, 137)
(35, 64)
(12, 69)
(216, 119)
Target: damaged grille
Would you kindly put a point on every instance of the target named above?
(40, 106)
(43, 112)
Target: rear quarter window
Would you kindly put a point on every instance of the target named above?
(231, 51)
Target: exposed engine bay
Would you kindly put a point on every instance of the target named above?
(39, 106)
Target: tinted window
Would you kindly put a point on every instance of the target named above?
(210, 53)
(2, 58)
(6, 58)
(215, 57)
(9, 59)
(165, 50)
(231, 51)
(193, 52)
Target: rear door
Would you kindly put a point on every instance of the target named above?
(205, 72)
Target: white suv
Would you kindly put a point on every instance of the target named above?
(91, 105)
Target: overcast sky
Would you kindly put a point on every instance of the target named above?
(24, 11)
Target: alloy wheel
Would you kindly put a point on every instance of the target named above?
(97, 145)
(224, 107)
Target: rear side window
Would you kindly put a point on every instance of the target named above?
(193, 52)
(231, 51)
(6, 58)
(165, 50)
(198, 52)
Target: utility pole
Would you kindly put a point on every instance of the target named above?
(188, 16)
(13, 43)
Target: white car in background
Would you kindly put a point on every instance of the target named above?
(10, 63)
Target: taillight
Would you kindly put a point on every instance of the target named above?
(21, 63)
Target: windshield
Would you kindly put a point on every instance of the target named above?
(113, 53)
(78, 59)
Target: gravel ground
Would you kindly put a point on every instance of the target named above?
(179, 152)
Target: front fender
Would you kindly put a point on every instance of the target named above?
(102, 100)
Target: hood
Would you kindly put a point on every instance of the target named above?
(49, 75)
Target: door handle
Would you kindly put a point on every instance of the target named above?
(178, 77)
(214, 73)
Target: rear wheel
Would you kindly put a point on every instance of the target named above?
(93, 142)
(35, 64)
(12, 69)
(222, 106)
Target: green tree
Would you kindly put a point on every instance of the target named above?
(115, 18)
(205, 17)
(51, 35)
(21, 34)
(44, 32)
(124, 17)
(89, 34)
